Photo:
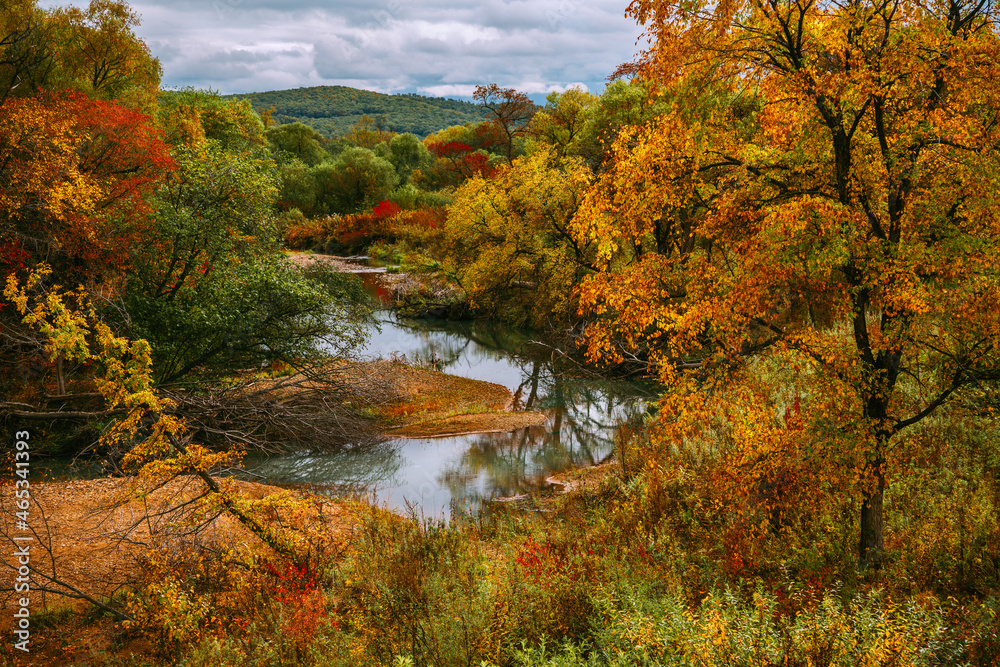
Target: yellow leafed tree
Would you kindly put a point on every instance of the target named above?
(823, 194)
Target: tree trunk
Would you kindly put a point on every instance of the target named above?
(60, 376)
(872, 545)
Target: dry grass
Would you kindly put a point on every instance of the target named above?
(433, 404)
(94, 534)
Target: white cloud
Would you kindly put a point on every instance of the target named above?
(448, 90)
(435, 47)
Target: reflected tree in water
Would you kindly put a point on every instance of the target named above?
(352, 471)
(579, 431)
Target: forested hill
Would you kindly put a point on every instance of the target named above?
(332, 110)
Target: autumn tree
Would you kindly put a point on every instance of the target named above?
(27, 54)
(190, 116)
(820, 192)
(509, 112)
(368, 133)
(455, 162)
(509, 239)
(100, 54)
(75, 175)
(92, 50)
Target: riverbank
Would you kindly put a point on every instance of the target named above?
(416, 295)
(429, 403)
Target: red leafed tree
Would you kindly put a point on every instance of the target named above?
(463, 161)
(510, 113)
(74, 175)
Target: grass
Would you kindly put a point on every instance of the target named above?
(643, 562)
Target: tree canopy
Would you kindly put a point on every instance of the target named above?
(821, 190)
(333, 110)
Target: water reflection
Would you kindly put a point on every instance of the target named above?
(431, 474)
(352, 472)
(477, 351)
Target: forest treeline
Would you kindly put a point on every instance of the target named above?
(786, 213)
(333, 110)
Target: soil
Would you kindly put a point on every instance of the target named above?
(430, 403)
(93, 535)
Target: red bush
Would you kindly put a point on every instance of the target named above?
(385, 209)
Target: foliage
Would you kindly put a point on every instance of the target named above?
(332, 110)
(26, 53)
(100, 55)
(75, 174)
(299, 141)
(727, 629)
(73, 331)
(350, 234)
(191, 117)
(210, 288)
(92, 50)
(509, 112)
(564, 121)
(369, 133)
(509, 242)
(298, 188)
(454, 163)
(356, 180)
(407, 153)
(820, 198)
(577, 123)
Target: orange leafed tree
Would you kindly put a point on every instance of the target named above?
(74, 174)
(822, 199)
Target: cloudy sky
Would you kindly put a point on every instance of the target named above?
(433, 47)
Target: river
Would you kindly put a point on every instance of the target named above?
(433, 476)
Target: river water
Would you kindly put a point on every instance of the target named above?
(431, 476)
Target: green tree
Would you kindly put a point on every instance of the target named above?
(407, 153)
(297, 140)
(565, 120)
(298, 188)
(211, 290)
(356, 180)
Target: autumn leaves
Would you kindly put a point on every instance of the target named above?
(809, 197)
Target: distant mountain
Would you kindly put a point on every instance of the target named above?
(332, 110)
